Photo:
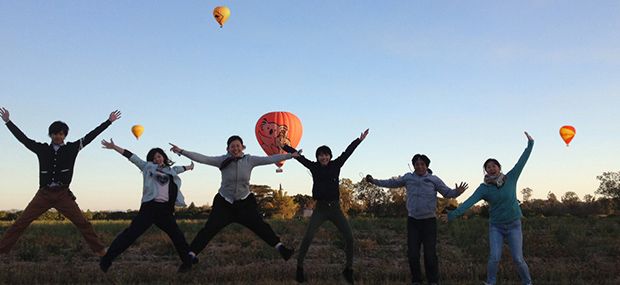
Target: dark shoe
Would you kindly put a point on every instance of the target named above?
(105, 263)
(299, 275)
(348, 275)
(285, 252)
(185, 267)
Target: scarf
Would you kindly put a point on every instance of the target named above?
(497, 180)
(228, 160)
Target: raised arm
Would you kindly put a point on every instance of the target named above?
(388, 183)
(197, 157)
(128, 154)
(347, 153)
(518, 168)
(99, 129)
(19, 135)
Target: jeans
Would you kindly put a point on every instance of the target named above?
(514, 237)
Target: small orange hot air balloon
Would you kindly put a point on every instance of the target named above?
(221, 14)
(276, 129)
(567, 133)
(137, 131)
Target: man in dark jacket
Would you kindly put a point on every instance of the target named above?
(56, 163)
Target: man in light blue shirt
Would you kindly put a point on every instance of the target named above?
(422, 187)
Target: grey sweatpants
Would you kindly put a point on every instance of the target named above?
(322, 212)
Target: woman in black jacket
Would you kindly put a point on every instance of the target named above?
(326, 192)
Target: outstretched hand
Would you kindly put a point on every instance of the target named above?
(529, 138)
(108, 145)
(114, 116)
(363, 135)
(461, 188)
(190, 166)
(297, 153)
(4, 113)
(175, 149)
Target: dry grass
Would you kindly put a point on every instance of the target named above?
(562, 250)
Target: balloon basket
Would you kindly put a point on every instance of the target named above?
(279, 170)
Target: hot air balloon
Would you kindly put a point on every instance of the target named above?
(221, 14)
(567, 133)
(276, 129)
(137, 131)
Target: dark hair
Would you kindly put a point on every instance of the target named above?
(232, 139)
(422, 157)
(323, 150)
(151, 156)
(491, 160)
(57, 127)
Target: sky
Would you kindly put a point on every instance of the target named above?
(459, 81)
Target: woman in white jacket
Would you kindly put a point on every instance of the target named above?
(161, 192)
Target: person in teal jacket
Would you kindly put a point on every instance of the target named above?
(499, 190)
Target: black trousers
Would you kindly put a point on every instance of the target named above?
(422, 233)
(150, 213)
(244, 212)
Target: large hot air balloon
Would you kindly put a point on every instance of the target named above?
(221, 14)
(137, 131)
(276, 129)
(567, 133)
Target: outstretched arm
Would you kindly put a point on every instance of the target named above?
(265, 160)
(197, 157)
(518, 168)
(445, 191)
(128, 154)
(349, 151)
(302, 159)
(111, 145)
(98, 130)
(19, 135)
(460, 210)
(181, 169)
(388, 183)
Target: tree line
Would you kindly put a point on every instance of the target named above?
(365, 199)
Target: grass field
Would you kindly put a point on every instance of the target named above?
(564, 250)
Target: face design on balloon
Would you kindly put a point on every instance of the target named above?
(273, 136)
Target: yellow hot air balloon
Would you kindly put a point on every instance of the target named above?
(567, 133)
(221, 14)
(137, 131)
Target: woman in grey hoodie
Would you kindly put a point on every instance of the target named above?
(422, 187)
(234, 203)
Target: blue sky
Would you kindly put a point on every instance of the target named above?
(457, 80)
